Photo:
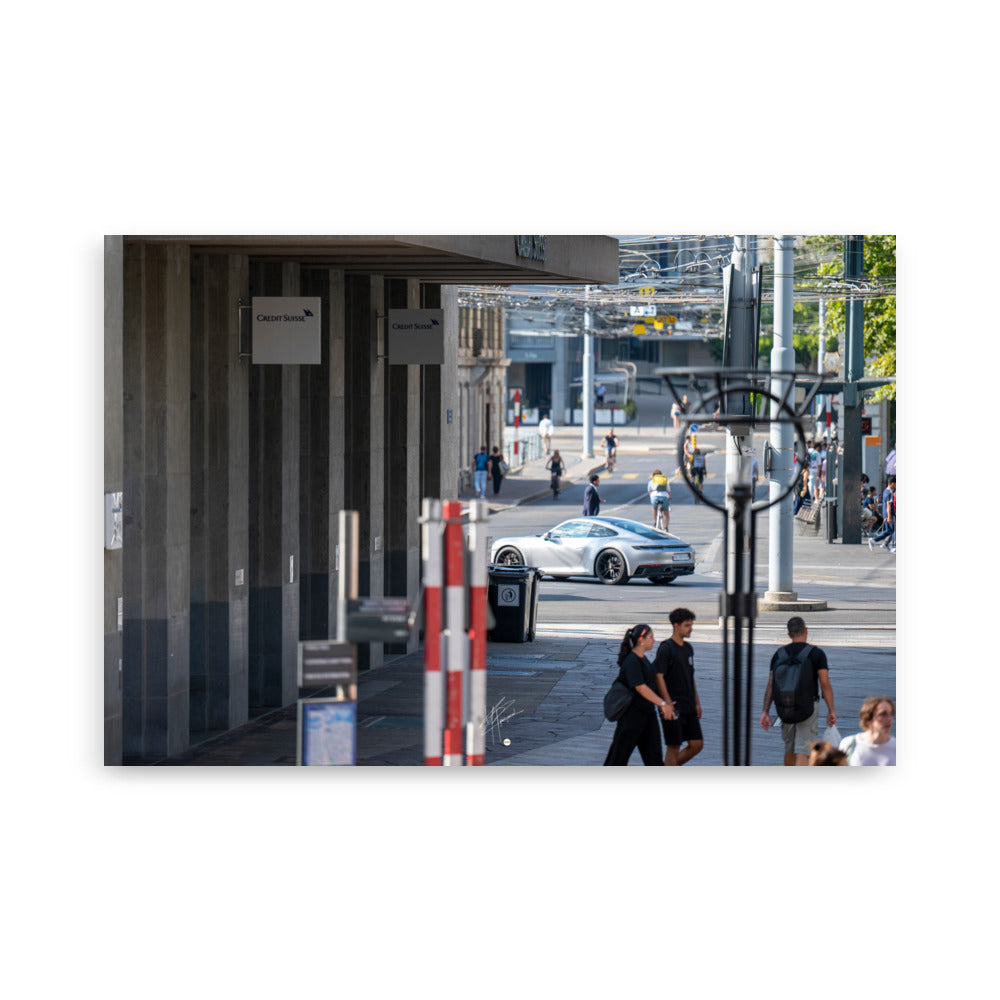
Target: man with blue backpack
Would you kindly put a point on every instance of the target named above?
(799, 672)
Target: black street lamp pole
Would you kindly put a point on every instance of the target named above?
(738, 603)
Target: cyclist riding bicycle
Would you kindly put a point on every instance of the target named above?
(610, 449)
(658, 489)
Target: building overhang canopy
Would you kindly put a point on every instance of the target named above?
(446, 260)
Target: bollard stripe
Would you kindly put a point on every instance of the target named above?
(476, 733)
(455, 645)
(433, 540)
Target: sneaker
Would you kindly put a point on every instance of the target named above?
(893, 550)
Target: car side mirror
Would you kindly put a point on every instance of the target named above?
(547, 535)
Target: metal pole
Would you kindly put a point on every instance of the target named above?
(849, 472)
(479, 513)
(782, 435)
(821, 354)
(587, 403)
(432, 542)
(740, 356)
(347, 577)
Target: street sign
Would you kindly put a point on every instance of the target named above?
(647, 290)
(378, 619)
(325, 663)
(286, 330)
(327, 732)
(642, 310)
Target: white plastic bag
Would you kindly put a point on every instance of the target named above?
(832, 736)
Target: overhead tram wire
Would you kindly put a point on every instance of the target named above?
(692, 279)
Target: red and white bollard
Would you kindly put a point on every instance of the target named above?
(433, 550)
(479, 513)
(456, 642)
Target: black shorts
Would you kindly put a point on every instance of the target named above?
(680, 729)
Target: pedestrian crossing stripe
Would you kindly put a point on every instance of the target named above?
(631, 475)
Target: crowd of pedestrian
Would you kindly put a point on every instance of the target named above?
(665, 703)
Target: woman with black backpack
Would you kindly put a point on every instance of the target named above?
(638, 727)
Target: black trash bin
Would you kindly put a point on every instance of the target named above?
(513, 597)
(830, 516)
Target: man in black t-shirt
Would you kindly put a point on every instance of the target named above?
(674, 666)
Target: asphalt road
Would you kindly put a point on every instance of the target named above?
(859, 586)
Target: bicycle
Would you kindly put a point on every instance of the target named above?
(610, 455)
(660, 523)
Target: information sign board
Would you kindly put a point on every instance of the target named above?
(324, 663)
(286, 330)
(327, 730)
(378, 619)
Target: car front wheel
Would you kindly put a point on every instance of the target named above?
(610, 567)
(509, 556)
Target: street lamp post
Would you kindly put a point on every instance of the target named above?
(738, 600)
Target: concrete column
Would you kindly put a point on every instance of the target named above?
(379, 468)
(156, 500)
(365, 450)
(113, 480)
(449, 440)
(274, 514)
(337, 484)
(219, 495)
(433, 415)
(314, 479)
(560, 387)
(402, 487)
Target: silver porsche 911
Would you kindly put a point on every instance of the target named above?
(613, 549)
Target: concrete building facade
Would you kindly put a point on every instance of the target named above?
(482, 368)
(224, 479)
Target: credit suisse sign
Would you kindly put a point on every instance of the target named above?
(286, 330)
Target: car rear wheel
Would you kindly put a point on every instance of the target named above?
(609, 567)
(509, 556)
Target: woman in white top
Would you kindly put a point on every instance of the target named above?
(875, 746)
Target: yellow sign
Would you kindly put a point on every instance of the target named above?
(639, 329)
(670, 319)
(657, 325)
(647, 291)
(873, 439)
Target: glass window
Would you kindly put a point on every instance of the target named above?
(602, 531)
(646, 531)
(571, 529)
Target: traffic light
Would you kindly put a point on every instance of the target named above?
(866, 425)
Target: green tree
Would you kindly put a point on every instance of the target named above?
(880, 312)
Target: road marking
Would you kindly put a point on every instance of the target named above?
(847, 634)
